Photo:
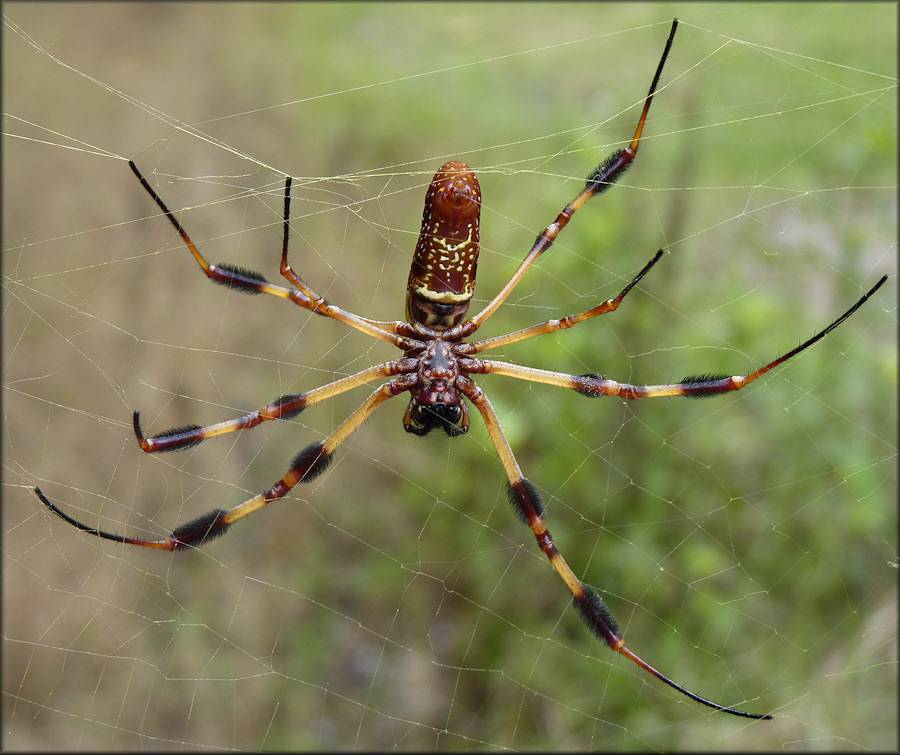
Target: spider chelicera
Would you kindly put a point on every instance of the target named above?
(438, 362)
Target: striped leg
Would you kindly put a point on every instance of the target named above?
(251, 282)
(528, 505)
(698, 386)
(551, 326)
(283, 407)
(306, 466)
(607, 173)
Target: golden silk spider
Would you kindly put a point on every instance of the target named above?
(438, 364)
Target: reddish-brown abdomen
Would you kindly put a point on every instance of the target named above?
(442, 277)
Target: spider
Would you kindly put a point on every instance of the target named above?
(437, 365)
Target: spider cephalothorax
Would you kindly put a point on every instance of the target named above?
(437, 365)
(436, 398)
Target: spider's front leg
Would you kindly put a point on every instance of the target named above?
(306, 466)
(527, 503)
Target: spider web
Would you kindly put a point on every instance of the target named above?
(747, 544)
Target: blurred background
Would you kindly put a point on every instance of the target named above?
(746, 544)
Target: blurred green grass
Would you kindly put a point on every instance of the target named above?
(744, 544)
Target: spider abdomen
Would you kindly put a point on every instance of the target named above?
(442, 276)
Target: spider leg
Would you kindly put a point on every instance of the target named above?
(698, 386)
(306, 466)
(529, 507)
(283, 407)
(317, 303)
(600, 179)
(551, 326)
(251, 282)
